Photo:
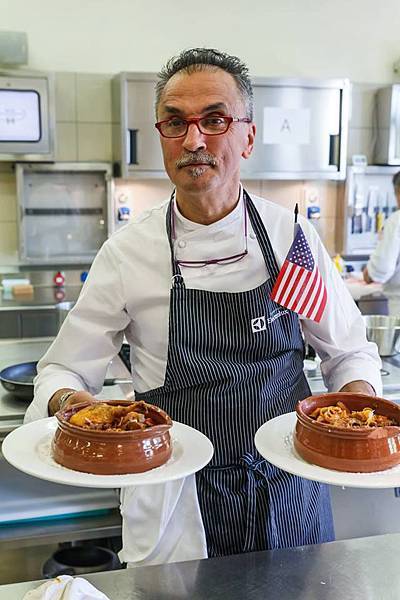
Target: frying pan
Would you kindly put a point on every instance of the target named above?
(18, 379)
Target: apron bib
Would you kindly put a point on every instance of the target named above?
(235, 360)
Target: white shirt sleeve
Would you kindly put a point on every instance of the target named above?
(340, 337)
(383, 261)
(90, 337)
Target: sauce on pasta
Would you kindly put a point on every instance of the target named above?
(340, 415)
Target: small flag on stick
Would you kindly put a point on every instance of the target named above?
(299, 285)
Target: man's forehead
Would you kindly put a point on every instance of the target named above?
(207, 87)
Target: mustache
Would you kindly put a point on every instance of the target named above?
(192, 158)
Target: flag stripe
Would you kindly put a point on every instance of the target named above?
(297, 288)
(281, 281)
(290, 284)
(322, 306)
(318, 298)
(311, 288)
(304, 290)
(316, 289)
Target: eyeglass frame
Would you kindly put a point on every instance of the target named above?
(197, 264)
(196, 121)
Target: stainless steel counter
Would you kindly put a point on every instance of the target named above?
(41, 298)
(390, 381)
(357, 569)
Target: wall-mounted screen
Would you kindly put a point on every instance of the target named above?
(20, 116)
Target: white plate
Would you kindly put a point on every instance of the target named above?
(274, 441)
(27, 448)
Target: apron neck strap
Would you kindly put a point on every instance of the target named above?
(259, 230)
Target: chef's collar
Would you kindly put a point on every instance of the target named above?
(187, 225)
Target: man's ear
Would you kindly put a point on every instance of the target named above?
(251, 134)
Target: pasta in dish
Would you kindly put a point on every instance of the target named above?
(106, 417)
(340, 415)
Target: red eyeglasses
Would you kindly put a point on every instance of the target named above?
(176, 127)
(227, 260)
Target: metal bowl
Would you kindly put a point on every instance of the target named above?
(385, 332)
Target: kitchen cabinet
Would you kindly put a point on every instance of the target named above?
(28, 323)
(301, 129)
(136, 144)
(63, 212)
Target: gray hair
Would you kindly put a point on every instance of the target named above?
(199, 59)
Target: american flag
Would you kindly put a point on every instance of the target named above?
(299, 284)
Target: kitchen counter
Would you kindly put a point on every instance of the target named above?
(352, 569)
(390, 380)
(42, 297)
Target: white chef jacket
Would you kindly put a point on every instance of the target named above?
(127, 292)
(384, 263)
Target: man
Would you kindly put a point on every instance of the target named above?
(384, 263)
(189, 285)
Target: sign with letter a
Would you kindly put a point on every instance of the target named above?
(286, 125)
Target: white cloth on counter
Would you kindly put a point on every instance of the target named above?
(128, 287)
(66, 587)
(162, 524)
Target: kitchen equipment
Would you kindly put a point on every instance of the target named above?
(27, 116)
(373, 304)
(63, 212)
(18, 379)
(358, 450)
(303, 125)
(387, 147)
(369, 198)
(78, 560)
(385, 332)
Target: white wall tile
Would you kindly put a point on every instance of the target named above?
(94, 142)
(361, 141)
(94, 98)
(8, 244)
(66, 142)
(8, 197)
(65, 96)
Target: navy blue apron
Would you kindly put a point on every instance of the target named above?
(226, 375)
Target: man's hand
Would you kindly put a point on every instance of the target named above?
(75, 398)
(366, 276)
(359, 387)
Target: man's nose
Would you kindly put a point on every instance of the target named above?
(194, 139)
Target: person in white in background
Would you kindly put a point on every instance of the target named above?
(186, 283)
(384, 263)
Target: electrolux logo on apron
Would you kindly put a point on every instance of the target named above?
(260, 323)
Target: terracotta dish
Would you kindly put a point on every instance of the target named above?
(359, 450)
(108, 452)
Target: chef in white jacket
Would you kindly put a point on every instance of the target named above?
(189, 284)
(384, 263)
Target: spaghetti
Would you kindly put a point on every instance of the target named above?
(340, 415)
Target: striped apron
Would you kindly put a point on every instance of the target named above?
(226, 380)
